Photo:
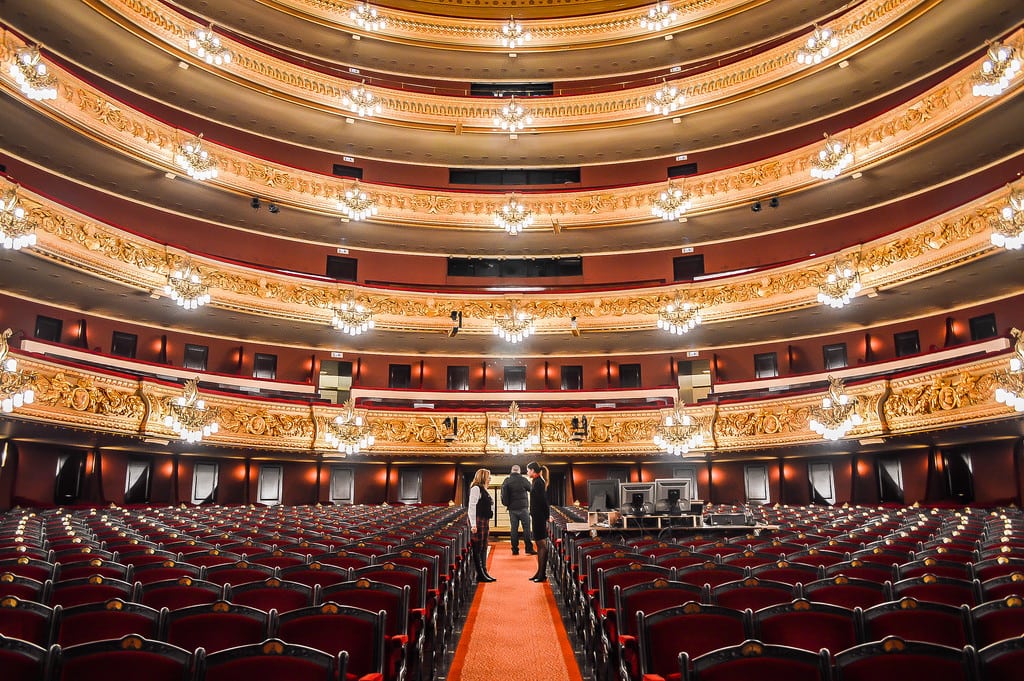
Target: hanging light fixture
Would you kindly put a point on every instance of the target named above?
(513, 216)
(1008, 224)
(672, 203)
(832, 159)
(361, 101)
(186, 288)
(1011, 383)
(679, 317)
(356, 205)
(514, 34)
(840, 285)
(15, 386)
(365, 17)
(678, 433)
(207, 46)
(659, 17)
(1000, 66)
(31, 74)
(837, 414)
(513, 435)
(820, 44)
(514, 327)
(17, 229)
(189, 417)
(192, 157)
(512, 117)
(665, 100)
(349, 432)
(352, 318)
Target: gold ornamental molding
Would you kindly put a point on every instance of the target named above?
(86, 245)
(82, 399)
(603, 23)
(88, 111)
(405, 106)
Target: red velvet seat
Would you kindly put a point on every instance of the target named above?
(183, 592)
(26, 566)
(101, 621)
(217, 626)
(334, 628)
(1002, 661)
(847, 592)
(997, 620)
(273, 594)
(711, 574)
(94, 589)
(913, 620)
(26, 620)
(24, 661)
(274, 659)
(131, 657)
(810, 626)
(315, 574)
(25, 588)
(756, 660)
(894, 659)
(948, 590)
(752, 593)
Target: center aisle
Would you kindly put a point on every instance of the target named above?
(513, 630)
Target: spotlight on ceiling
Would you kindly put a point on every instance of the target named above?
(756, 207)
(774, 202)
(255, 203)
(274, 208)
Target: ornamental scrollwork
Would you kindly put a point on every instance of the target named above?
(261, 422)
(762, 422)
(424, 431)
(79, 393)
(943, 394)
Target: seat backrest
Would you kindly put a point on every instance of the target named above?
(948, 590)
(343, 559)
(94, 589)
(26, 566)
(93, 566)
(183, 592)
(1002, 661)
(315, 574)
(651, 597)
(693, 628)
(24, 661)
(756, 660)
(272, 594)
(131, 657)
(752, 593)
(711, 574)
(788, 572)
(25, 588)
(274, 659)
(26, 620)
(397, 575)
(848, 592)
(997, 620)
(375, 597)
(334, 628)
(626, 575)
(915, 620)
(894, 659)
(809, 626)
(239, 572)
(216, 626)
(113, 619)
(164, 570)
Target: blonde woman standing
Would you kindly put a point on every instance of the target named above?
(479, 513)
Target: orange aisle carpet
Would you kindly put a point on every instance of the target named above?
(513, 631)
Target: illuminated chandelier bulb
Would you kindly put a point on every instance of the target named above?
(208, 47)
(514, 34)
(365, 16)
(659, 17)
(362, 102)
(30, 73)
(820, 45)
(1000, 66)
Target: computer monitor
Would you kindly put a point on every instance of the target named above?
(672, 495)
(602, 495)
(636, 498)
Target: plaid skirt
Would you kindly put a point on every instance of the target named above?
(482, 530)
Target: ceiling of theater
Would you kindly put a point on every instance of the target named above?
(106, 45)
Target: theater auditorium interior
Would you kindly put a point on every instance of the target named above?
(279, 276)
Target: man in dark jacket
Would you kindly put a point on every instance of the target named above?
(515, 494)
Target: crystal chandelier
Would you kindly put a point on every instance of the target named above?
(1000, 66)
(841, 284)
(365, 16)
(189, 416)
(513, 435)
(207, 46)
(665, 100)
(658, 17)
(1008, 225)
(514, 34)
(361, 101)
(679, 317)
(356, 205)
(514, 327)
(820, 44)
(678, 433)
(15, 386)
(193, 158)
(349, 432)
(512, 117)
(186, 288)
(672, 203)
(832, 159)
(1011, 383)
(837, 414)
(513, 216)
(31, 75)
(352, 318)
(17, 230)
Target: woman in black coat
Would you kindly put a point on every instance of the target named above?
(540, 513)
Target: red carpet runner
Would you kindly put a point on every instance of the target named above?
(513, 631)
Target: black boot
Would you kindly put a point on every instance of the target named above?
(529, 547)
(478, 562)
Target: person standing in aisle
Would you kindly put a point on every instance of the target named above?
(479, 513)
(515, 495)
(540, 513)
